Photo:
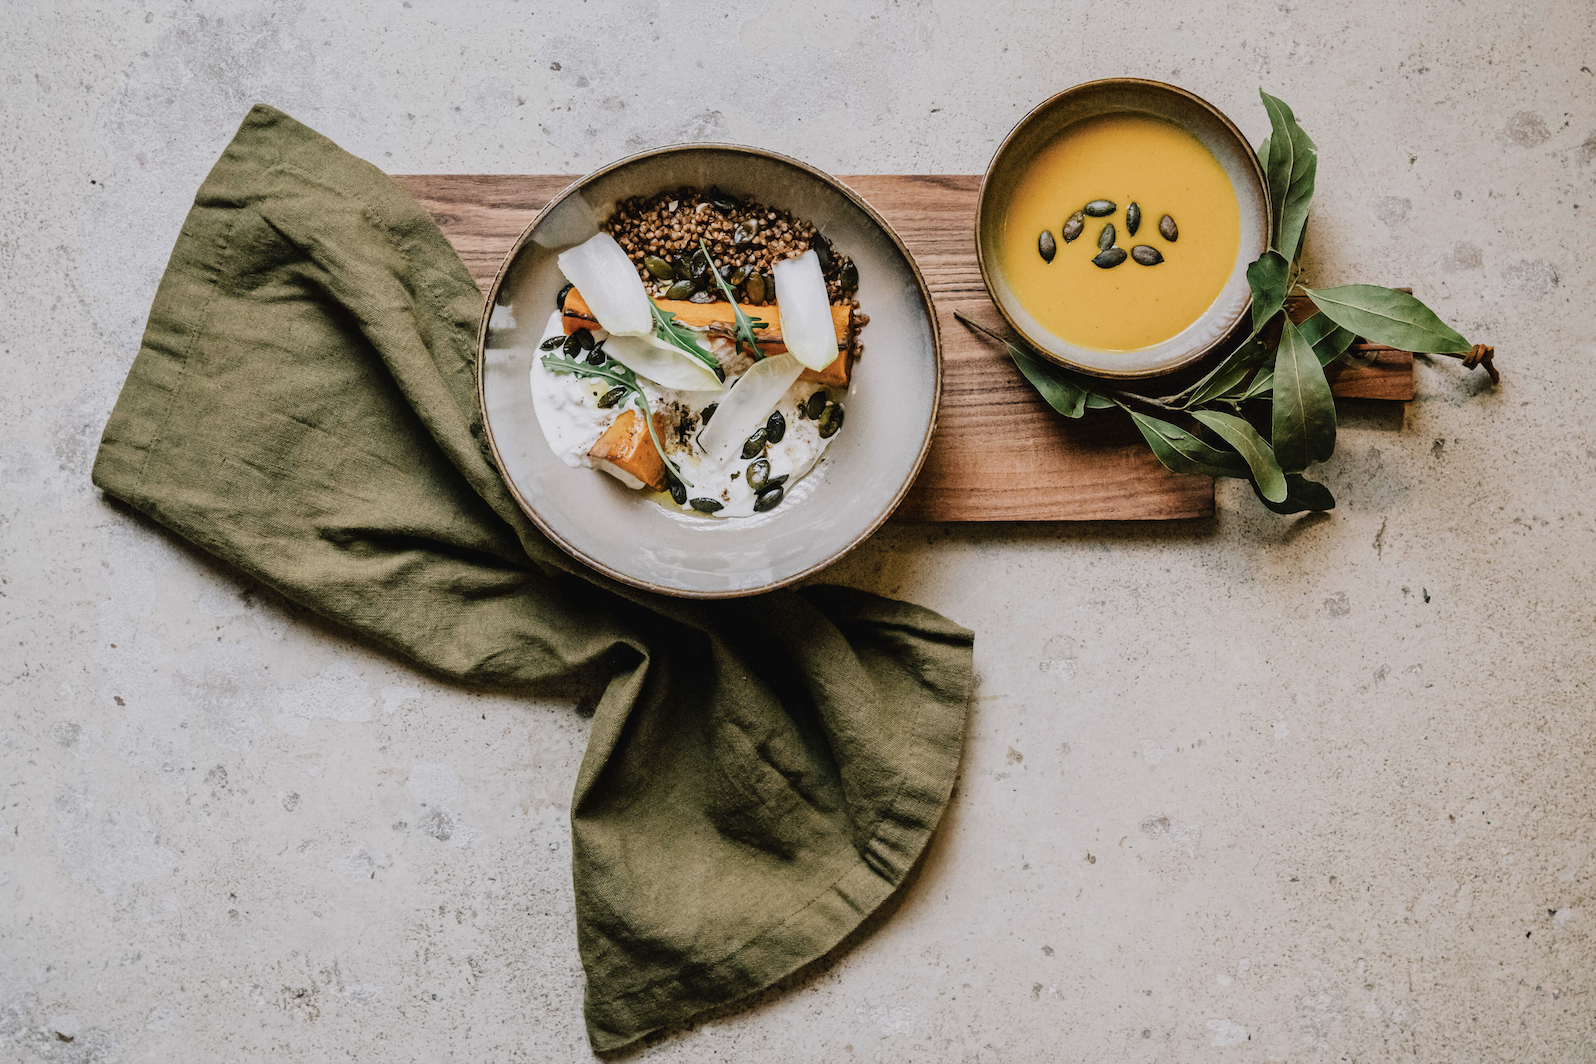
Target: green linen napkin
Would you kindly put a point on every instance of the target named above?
(761, 774)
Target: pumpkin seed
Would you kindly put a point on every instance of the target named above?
(823, 251)
(754, 444)
(1133, 219)
(706, 506)
(611, 397)
(770, 287)
(698, 267)
(849, 277)
(680, 268)
(658, 268)
(573, 346)
(708, 412)
(744, 233)
(815, 404)
(1146, 255)
(584, 338)
(755, 288)
(758, 474)
(1109, 258)
(1045, 245)
(830, 421)
(597, 357)
(551, 343)
(722, 201)
(775, 427)
(1167, 229)
(769, 499)
(678, 492)
(1101, 208)
(1073, 226)
(702, 296)
(559, 300)
(679, 290)
(738, 276)
(1105, 239)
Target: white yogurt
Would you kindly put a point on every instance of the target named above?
(567, 409)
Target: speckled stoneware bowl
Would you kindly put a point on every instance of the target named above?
(891, 399)
(1199, 118)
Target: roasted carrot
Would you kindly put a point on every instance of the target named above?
(626, 446)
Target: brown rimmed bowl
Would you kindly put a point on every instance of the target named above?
(891, 402)
(1215, 132)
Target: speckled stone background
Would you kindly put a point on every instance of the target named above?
(1254, 789)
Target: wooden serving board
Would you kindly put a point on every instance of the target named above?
(999, 453)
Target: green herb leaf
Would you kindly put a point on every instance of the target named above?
(1304, 416)
(1098, 401)
(1329, 342)
(1230, 372)
(1301, 494)
(1263, 157)
(1293, 162)
(744, 326)
(1181, 452)
(614, 372)
(1061, 393)
(1267, 279)
(682, 338)
(1260, 458)
(1384, 316)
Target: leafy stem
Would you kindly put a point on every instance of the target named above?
(621, 376)
(1033, 363)
(681, 338)
(743, 325)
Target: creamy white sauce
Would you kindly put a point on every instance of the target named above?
(567, 409)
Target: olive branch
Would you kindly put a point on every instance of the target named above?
(1208, 427)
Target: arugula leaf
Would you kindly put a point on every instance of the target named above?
(1386, 316)
(1304, 414)
(682, 338)
(612, 371)
(744, 326)
(1293, 162)
(1260, 458)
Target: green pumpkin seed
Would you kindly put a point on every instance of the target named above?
(551, 343)
(611, 397)
(769, 499)
(738, 276)
(658, 268)
(573, 346)
(1073, 226)
(815, 404)
(754, 444)
(849, 277)
(1133, 219)
(584, 338)
(702, 296)
(722, 201)
(597, 357)
(679, 290)
(823, 251)
(708, 412)
(678, 492)
(775, 427)
(744, 233)
(1109, 258)
(1105, 239)
(830, 421)
(1147, 256)
(1167, 229)
(1101, 208)
(1045, 245)
(559, 300)
(706, 506)
(758, 473)
(680, 268)
(755, 288)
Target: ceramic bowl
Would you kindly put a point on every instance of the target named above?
(891, 401)
(1196, 116)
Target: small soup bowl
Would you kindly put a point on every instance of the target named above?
(1189, 112)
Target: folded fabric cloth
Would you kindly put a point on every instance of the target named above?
(761, 774)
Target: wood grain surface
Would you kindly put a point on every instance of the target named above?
(999, 453)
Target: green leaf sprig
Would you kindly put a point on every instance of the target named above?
(743, 326)
(682, 338)
(622, 377)
(1279, 362)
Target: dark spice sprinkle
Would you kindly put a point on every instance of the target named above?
(1133, 219)
(1046, 246)
(1109, 258)
(1101, 208)
(816, 404)
(705, 506)
(551, 343)
(1073, 226)
(775, 427)
(1146, 255)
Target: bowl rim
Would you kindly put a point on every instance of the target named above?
(491, 300)
(1197, 354)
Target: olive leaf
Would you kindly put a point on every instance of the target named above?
(1293, 164)
(1181, 452)
(1304, 415)
(1329, 342)
(1263, 156)
(1237, 432)
(1385, 316)
(1098, 401)
(1267, 279)
(1230, 373)
(1059, 387)
(1301, 494)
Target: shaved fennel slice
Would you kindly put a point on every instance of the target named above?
(747, 404)
(806, 326)
(662, 364)
(609, 284)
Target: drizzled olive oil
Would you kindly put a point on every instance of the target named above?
(1123, 158)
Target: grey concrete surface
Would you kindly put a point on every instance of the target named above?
(1255, 789)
